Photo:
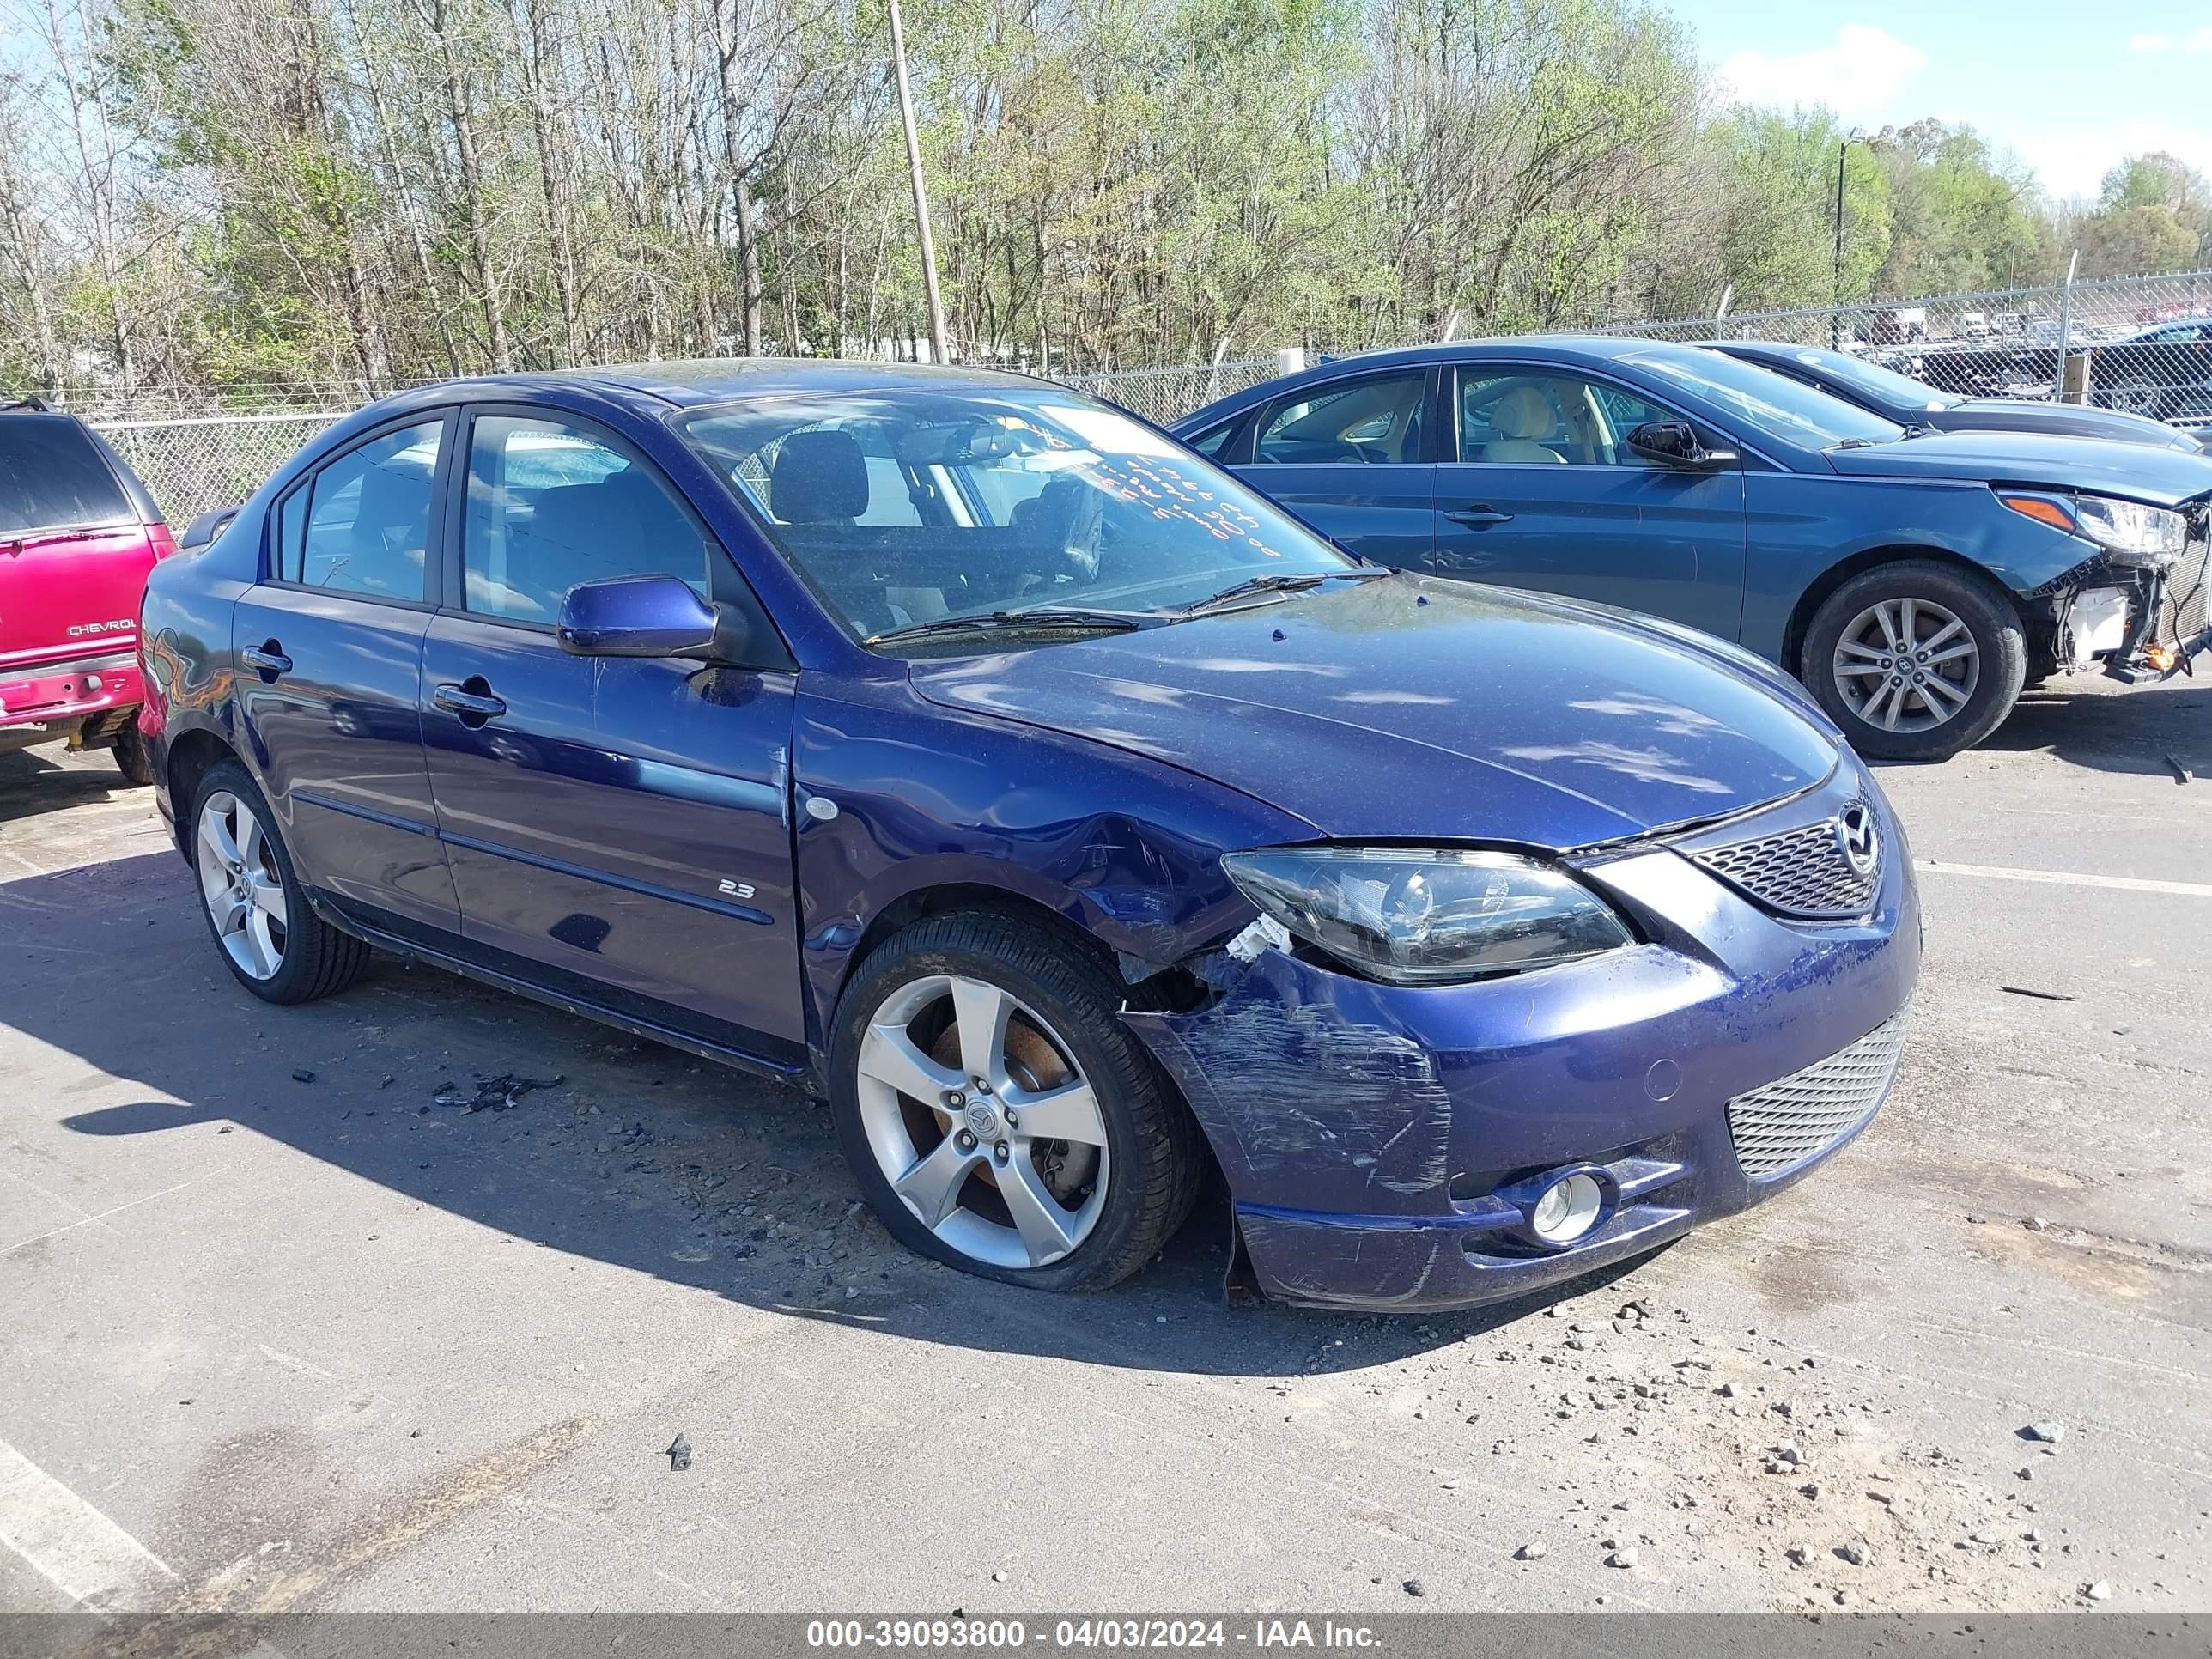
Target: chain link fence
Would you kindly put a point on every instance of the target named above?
(2143, 344)
(197, 464)
(2138, 343)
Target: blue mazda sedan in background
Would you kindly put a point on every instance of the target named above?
(1914, 581)
(1075, 820)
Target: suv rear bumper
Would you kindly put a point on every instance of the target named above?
(47, 702)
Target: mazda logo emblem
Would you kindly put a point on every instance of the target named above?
(1860, 842)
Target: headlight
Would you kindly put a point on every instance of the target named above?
(1419, 917)
(2129, 532)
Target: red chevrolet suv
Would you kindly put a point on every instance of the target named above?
(78, 532)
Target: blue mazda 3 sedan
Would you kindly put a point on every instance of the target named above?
(1915, 580)
(973, 754)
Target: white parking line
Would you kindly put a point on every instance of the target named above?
(69, 1543)
(2069, 878)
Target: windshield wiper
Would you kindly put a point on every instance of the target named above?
(1278, 582)
(1011, 622)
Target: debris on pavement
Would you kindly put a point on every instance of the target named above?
(1534, 1550)
(679, 1454)
(2049, 1433)
(1415, 1587)
(303, 1075)
(493, 1094)
(2040, 996)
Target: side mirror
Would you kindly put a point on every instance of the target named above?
(637, 617)
(1675, 443)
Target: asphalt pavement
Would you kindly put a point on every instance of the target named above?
(296, 1315)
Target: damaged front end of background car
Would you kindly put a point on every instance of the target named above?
(2131, 605)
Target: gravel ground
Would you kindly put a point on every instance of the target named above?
(297, 1313)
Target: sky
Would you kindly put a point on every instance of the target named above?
(2068, 88)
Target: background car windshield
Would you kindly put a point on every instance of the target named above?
(1875, 380)
(1770, 404)
(906, 507)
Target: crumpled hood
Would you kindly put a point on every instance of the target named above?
(2163, 477)
(1402, 708)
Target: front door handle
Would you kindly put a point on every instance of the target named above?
(472, 701)
(1478, 518)
(267, 659)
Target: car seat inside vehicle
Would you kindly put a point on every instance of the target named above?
(1521, 416)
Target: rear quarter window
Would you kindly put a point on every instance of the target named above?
(53, 476)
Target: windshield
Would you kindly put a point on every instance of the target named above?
(1883, 384)
(1770, 404)
(910, 507)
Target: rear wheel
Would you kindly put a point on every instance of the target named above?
(129, 749)
(274, 944)
(998, 1114)
(1915, 660)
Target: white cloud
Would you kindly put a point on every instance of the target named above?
(2198, 40)
(2072, 160)
(1860, 75)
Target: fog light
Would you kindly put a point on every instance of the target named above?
(1567, 1209)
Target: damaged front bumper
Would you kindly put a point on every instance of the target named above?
(1380, 1143)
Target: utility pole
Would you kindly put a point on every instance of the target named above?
(936, 347)
(1836, 316)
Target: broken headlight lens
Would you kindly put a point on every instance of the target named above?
(1420, 917)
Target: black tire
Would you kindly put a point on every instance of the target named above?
(1156, 1157)
(130, 757)
(1988, 616)
(318, 961)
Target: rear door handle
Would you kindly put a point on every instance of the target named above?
(1476, 518)
(474, 708)
(267, 661)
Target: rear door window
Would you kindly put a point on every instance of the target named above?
(1366, 421)
(53, 476)
(368, 518)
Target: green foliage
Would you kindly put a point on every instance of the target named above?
(347, 190)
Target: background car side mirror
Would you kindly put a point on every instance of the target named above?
(1675, 443)
(637, 617)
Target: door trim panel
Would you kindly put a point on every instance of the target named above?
(604, 878)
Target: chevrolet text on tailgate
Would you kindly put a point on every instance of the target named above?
(1075, 821)
(78, 532)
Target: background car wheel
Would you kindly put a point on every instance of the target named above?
(1916, 660)
(274, 944)
(998, 1114)
(130, 757)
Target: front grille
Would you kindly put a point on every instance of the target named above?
(1779, 1126)
(1800, 873)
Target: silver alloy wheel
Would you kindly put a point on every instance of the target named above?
(983, 1124)
(1906, 665)
(240, 882)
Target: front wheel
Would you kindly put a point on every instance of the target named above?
(1915, 660)
(998, 1114)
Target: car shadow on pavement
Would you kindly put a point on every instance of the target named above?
(2147, 731)
(639, 1155)
(32, 785)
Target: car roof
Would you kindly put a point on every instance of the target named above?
(1567, 349)
(693, 383)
